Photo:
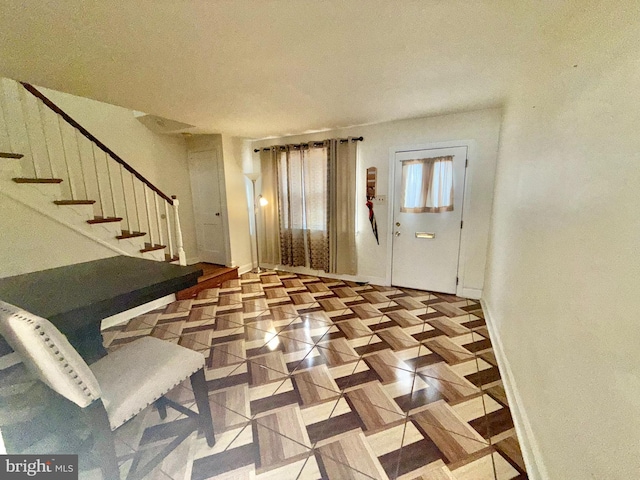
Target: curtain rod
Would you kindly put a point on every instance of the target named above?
(310, 144)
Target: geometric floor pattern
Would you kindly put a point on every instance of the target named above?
(313, 378)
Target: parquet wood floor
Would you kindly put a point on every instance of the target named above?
(315, 378)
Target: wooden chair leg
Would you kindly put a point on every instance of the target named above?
(201, 393)
(161, 405)
(104, 447)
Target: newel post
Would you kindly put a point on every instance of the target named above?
(182, 257)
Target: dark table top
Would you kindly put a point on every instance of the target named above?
(71, 296)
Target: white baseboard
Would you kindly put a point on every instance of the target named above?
(127, 315)
(474, 293)
(247, 267)
(536, 469)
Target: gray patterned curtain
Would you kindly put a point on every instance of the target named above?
(316, 204)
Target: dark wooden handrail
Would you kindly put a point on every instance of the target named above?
(36, 93)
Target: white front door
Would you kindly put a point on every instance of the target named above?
(204, 169)
(427, 216)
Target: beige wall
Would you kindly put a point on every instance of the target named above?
(481, 127)
(162, 159)
(564, 276)
(236, 186)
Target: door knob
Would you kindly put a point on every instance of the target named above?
(397, 224)
(397, 234)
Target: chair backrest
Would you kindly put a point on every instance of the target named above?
(48, 354)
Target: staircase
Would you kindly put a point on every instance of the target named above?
(51, 164)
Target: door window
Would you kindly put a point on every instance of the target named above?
(427, 185)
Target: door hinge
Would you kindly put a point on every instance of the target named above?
(461, 223)
(456, 280)
(466, 163)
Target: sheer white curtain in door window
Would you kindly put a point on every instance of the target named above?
(427, 185)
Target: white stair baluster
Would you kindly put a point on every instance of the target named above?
(95, 166)
(169, 236)
(124, 200)
(44, 136)
(135, 199)
(66, 160)
(84, 180)
(155, 201)
(182, 256)
(113, 198)
(22, 101)
(146, 204)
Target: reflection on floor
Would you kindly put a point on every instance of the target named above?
(317, 378)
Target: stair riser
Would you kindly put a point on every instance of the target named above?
(31, 192)
(85, 212)
(51, 191)
(134, 244)
(155, 255)
(107, 230)
(10, 167)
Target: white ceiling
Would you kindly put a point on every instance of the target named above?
(270, 68)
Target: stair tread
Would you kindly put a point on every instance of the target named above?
(150, 248)
(212, 281)
(37, 180)
(128, 234)
(74, 202)
(216, 273)
(11, 155)
(104, 220)
(169, 258)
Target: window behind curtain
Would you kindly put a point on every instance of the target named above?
(303, 184)
(303, 195)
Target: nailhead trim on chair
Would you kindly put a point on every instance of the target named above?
(163, 393)
(51, 345)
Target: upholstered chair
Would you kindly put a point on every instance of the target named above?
(115, 388)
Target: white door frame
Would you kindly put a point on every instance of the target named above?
(471, 156)
(222, 187)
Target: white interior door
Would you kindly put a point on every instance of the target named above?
(427, 216)
(204, 170)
